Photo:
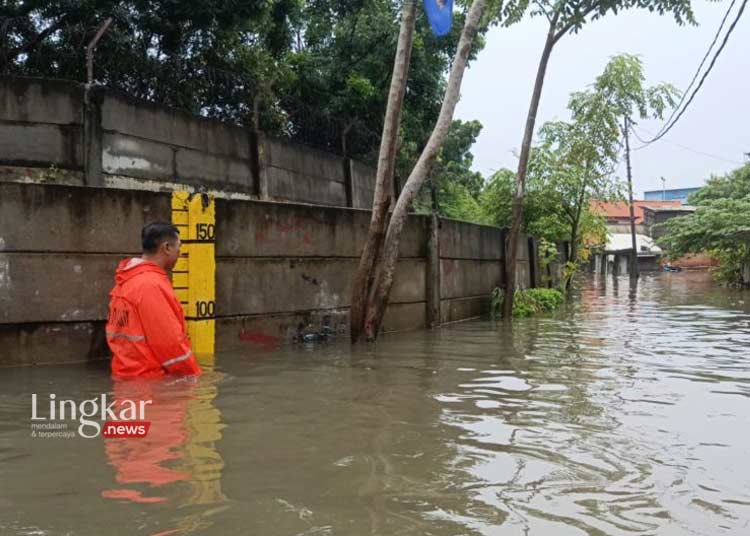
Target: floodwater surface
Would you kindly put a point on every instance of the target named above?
(627, 412)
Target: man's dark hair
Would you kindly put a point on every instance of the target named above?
(156, 232)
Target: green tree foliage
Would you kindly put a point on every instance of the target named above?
(454, 161)
(619, 92)
(573, 161)
(564, 18)
(720, 224)
(456, 187)
(314, 70)
(542, 216)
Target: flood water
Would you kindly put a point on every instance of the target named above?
(628, 412)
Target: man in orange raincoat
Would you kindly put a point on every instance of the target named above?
(146, 326)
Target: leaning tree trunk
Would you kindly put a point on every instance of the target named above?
(378, 298)
(384, 175)
(520, 185)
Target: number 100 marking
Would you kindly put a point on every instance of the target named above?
(205, 309)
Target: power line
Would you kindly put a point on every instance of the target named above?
(703, 62)
(669, 125)
(685, 147)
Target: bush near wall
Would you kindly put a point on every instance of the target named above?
(528, 302)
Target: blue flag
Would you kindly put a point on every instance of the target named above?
(440, 15)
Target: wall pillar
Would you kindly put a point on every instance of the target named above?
(92, 138)
(433, 273)
(533, 263)
(259, 163)
(348, 182)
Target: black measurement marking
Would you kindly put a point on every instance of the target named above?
(205, 308)
(205, 231)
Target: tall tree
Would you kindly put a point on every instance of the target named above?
(620, 94)
(380, 275)
(564, 17)
(363, 278)
(576, 160)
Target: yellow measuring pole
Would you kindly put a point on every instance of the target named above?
(194, 275)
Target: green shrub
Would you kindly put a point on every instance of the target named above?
(527, 302)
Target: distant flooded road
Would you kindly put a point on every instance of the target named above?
(628, 412)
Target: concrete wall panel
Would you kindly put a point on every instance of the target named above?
(461, 240)
(303, 160)
(285, 184)
(465, 278)
(254, 286)
(405, 317)
(457, 309)
(42, 145)
(363, 184)
(202, 168)
(41, 101)
(36, 287)
(56, 343)
(262, 229)
(45, 218)
(136, 157)
(150, 121)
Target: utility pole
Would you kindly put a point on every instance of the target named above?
(663, 189)
(634, 253)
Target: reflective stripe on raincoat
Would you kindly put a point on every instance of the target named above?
(146, 326)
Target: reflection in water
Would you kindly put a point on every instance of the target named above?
(180, 448)
(626, 413)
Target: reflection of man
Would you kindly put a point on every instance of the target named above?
(177, 462)
(146, 326)
(138, 461)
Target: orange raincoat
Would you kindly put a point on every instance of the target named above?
(146, 326)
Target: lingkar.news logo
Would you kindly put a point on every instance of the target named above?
(94, 416)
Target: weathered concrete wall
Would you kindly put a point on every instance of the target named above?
(471, 265)
(41, 124)
(363, 184)
(298, 173)
(283, 270)
(113, 140)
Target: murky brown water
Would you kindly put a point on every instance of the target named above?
(628, 413)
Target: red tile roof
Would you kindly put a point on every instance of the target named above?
(619, 212)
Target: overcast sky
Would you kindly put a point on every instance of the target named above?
(497, 88)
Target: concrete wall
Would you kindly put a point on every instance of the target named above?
(283, 270)
(51, 133)
(41, 125)
(471, 262)
(146, 141)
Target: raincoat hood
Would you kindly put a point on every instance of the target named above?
(133, 267)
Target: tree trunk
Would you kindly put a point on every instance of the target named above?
(384, 175)
(378, 298)
(518, 192)
(633, 271)
(573, 252)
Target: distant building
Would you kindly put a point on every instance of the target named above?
(613, 257)
(678, 194)
(655, 215)
(618, 212)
